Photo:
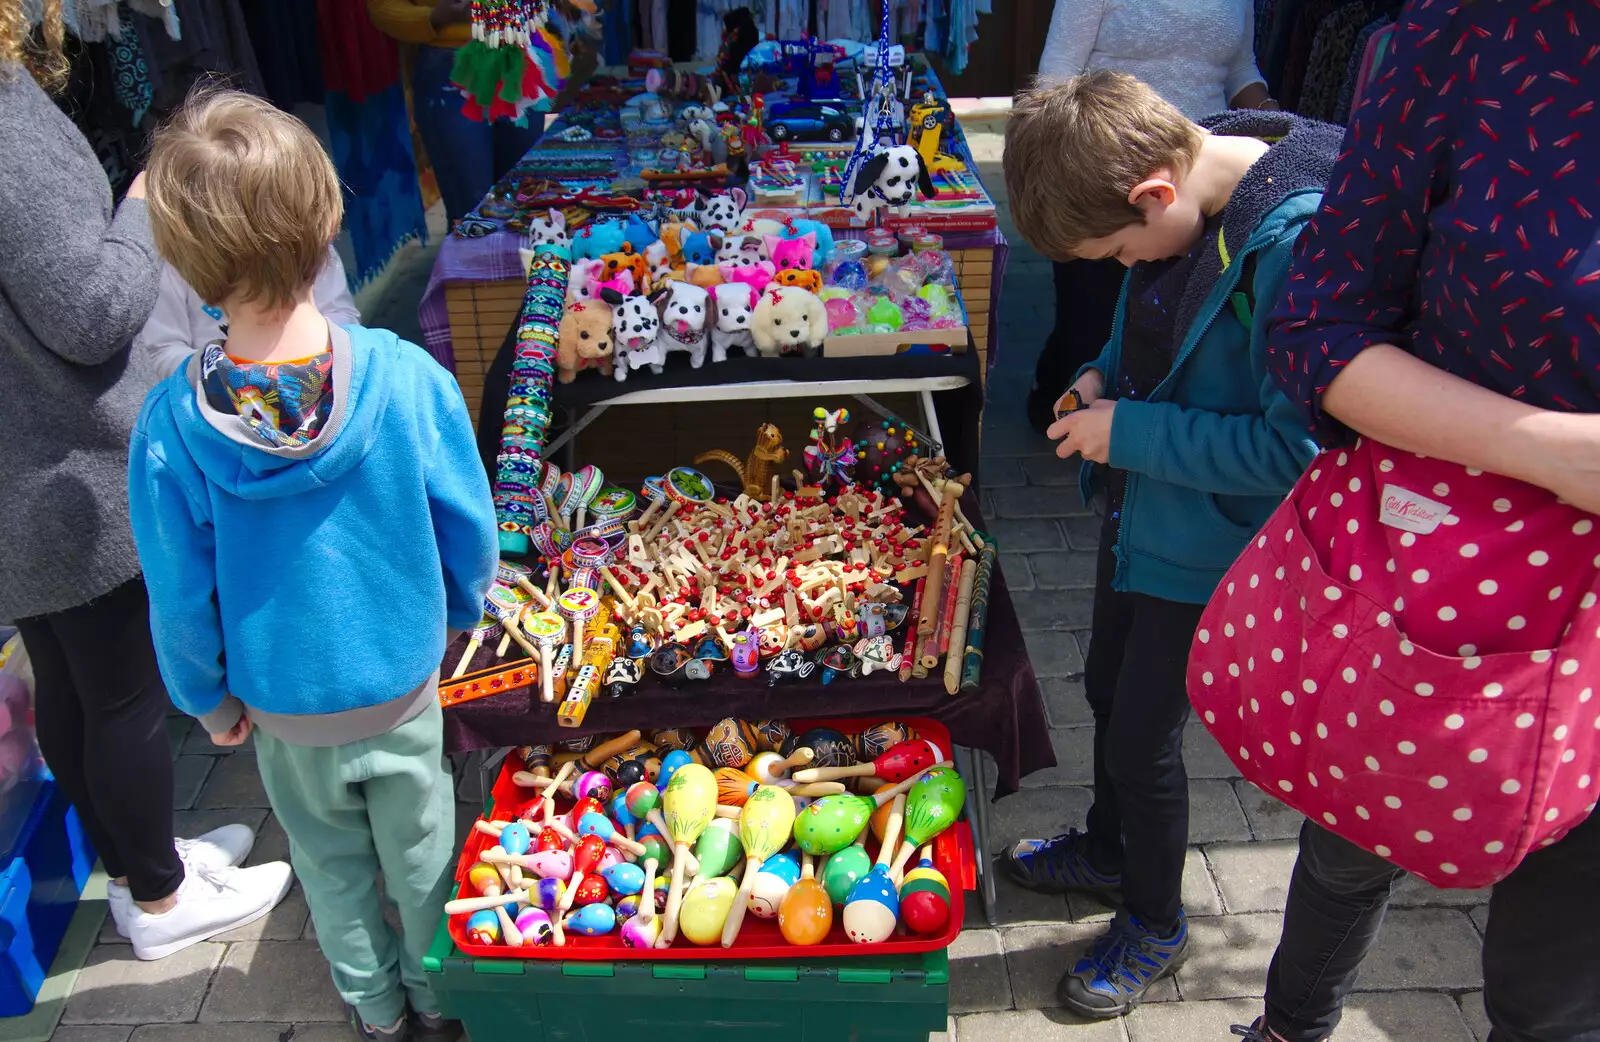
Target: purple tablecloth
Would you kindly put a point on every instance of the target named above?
(493, 258)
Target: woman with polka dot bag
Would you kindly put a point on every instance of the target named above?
(1408, 652)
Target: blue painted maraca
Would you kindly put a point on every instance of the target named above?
(483, 928)
(625, 878)
(619, 811)
(534, 925)
(595, 920)
(778, 873)
(670, 764)
(873, 906)
(600, 825)
(516, 839)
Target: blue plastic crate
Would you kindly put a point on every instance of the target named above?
(39, 890)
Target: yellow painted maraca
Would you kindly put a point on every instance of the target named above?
(486, 880)
(873, 906)
(805, 915)
(764, 829)
(687, 807)
(933, 804)
(706, 909)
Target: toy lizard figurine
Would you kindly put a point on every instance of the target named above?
(765, 460)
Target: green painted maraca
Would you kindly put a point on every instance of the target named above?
(718, 849)
(845, 869)
(933, 804)
(832, 823)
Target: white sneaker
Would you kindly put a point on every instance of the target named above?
(219, 848)
(210, 901)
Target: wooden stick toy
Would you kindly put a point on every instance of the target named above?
(487, 629)
(978, 614)
(955, 638)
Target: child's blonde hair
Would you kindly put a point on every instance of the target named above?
(243, 199)
(1075, 151)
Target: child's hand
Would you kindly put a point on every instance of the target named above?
(1086, 432)
(1091, 386)
(234, 735)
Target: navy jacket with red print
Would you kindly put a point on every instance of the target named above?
(1460, 221)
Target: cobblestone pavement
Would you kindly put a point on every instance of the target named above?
(1422, 983)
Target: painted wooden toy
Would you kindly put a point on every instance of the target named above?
(746, 654)
(600, 825)
(932, 806)
(547, 630)
(734, 786)
(642, 930)
(838, 661)
(771, 768)
(876, 740)
(764, 828)
(707, 909)
(925, 897)
(592, 890)
(897, 764)
(778, 873)
(483, 928)
(595, 785)
(671, 764)
(873, 906)
(595, 920)
(730, 743)
(534, 925)
(718, 849)
(845, 868)
(485, 880)
(789, 665)
(487, 630)
(832, 747)
(805, 915)
(770, 735)
(877, 653)
(688, 806)
(834, 822)
(585, 859)
(550, 895)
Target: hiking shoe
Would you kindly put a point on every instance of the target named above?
(210, 901)
(220, 848)
(1257, 1032)
(399, 1031)
(1120, 967)
(431, 1027)
(1059, 865)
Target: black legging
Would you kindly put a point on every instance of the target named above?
(100, 710)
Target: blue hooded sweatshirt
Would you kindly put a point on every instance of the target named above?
(315, 583)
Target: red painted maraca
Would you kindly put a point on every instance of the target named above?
(934, 803)
(485, 880)
(592, 890)
(805, 915)
(897, 764)
(873, 906)
(925, 897)
(642, 930)
(585, 859)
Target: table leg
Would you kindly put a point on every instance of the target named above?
(572, 432)
(489, 767)
(970, 763)
(930, 418)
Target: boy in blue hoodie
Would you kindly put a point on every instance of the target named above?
(1198, 444)
(312, 517)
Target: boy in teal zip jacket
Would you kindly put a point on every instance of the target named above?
(1196, 443)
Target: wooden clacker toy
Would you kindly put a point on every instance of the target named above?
(487, 629)
(546, 628)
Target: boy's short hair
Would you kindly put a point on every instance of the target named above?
(243, 199)
(1075, 150)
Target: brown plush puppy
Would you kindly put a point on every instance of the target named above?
(585, 341)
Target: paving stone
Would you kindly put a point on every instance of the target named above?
(1269, 818)
(1473, 1013)
(1018, 575)
(1027, 535)
(91, 1033)
(1416, 893)
(1073, 570)
(1037, 956)
(1015, 906)
(1253, 877)
(947, 1035)
(222, 1033)
(1003, 472)
(273, 981)
(1053, 609)
(1065, 703)
(1074, 748)
(1053, 655)
(1203, 757)
(1402, 1015)
(234, 783)
(1053, 1025)
(1214, 813)
(1199, 894)
(1228, 956)
(1424, 948)
(1190, 1021)
(1050, 470)
(286, 922)
(1039, 500)
(189, 774)
(116, 988)
(330, 1033)
(272, 843)
(1036, 812)
(1480, 918)
(1083, 531)
(1013, 438)
(978, 979)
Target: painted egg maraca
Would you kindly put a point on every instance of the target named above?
(551, 864)
(550, 839)
(778, 873)
(830, 824)
(872, 907)
(592, 890)
(924, 911)
(619, 810)
(933, 804)
(628, 907)
(880, 738)
(594, 920)
(611, 857)
(640, 799)
(516, 839)
(534, 925)
(547, 894)
(597, 825)
(670, 765)
(587, 854)
(733, 786)
(592, 785)
(641, 933)
(634, 770)
(805, 915)
(832, 747)
(588, 805)
(483, 928)
(484, 879)
(672, 738)
(718, 848)
(662, 885)
(844, 870)
(730, 742)
(769, 734)
(656, 847)
(705, 910)
(625, 878)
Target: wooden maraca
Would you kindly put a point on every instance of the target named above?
(687, 807)
(585, 859)
(487, 629)
(468, 905)
(718, 849)
(548, 895)
(592, 920)
(485, 880)
(835, 822)
(773, 768)
(764, 829)
(897, 764)
(873, 906)
(846, 868)
(707, 908)
(933, 804)
(805, 915)
(925, 897)
(778, 873)
(642, 930)
(734, 786)
(535, 926)
(600, 825)
(483, 928)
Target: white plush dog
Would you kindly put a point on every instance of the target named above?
(634, 329)
(735, 305)
(789, 321)
(889, 179)
(741, 251)
(551, 229)
(722, 213)
(583, 280)
(683, 321)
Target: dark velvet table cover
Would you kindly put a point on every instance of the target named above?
(1005, 717)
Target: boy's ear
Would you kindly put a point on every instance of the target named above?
(1158, 190)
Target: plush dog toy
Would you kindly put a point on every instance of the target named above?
(755, 275)
(583, 280)
(634, 326)
(551, 230)
(734, 304)
(723, 213)
(741, 251)
(585, 341)
(806, 279)
(622, 282)
(626, 260)
(597, 239)
(797, 254)
(682, 308)
(703, 275)
(889, 179)
(701, 247)
(789, 321)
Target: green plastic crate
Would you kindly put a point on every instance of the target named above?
(898, 999)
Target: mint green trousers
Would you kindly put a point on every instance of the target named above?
(384, 805)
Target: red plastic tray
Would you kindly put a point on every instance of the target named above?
(758, 938)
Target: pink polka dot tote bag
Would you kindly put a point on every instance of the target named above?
(1408, 654)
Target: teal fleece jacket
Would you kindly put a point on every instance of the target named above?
(1216, 446)
(313, 584)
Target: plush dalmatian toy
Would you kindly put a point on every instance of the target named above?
(723, 213)
(889, 179)
(550, 230)
(635, 325)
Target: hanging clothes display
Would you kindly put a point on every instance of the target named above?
(1313, 52)
(287, 50)
(1353, 67)
(1331, 45)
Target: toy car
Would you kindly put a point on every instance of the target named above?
(809, 121)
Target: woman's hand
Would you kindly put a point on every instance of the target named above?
(450, 12)
(1086, 432)
(1561, 451)
(236, 734)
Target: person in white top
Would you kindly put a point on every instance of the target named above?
(1197, 54)
(182, 323)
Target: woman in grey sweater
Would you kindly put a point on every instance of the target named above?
(77, 281)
